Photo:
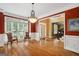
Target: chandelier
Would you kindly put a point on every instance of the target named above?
(32, 18)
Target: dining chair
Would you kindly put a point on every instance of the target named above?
(11, 39)
(27, 36)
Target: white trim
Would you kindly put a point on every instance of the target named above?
(29, 28)
(1, 10)
(71, 49)
(71, 43)
(59, 10)
(5, 26)
(12, 14)
(58, 21)
(44, 26)
(15, 15)
(64, 27)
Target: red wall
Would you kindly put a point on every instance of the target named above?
(71, 14)
(1, 23)
(34, 27)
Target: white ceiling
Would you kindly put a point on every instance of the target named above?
(41, 9)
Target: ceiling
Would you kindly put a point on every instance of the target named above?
(41, 9)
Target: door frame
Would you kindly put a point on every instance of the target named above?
(63, 22)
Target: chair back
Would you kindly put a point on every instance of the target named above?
(9, 35)
(26, 35)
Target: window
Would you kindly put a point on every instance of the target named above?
(8, 24)
(17, 27)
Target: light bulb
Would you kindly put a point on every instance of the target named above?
(32, 20)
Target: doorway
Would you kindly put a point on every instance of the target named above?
(42, 30)
(58, 30)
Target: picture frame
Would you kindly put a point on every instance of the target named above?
(73, 25)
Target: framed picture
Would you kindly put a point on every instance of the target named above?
(73, 24)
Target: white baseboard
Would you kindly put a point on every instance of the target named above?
(71, 49)
(71, 43)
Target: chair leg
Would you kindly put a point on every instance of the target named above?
(11, 43)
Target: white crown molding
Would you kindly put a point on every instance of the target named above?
(11, 14)
(1, 10)
(59, 10)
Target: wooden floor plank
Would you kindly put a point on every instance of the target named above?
(35, 48)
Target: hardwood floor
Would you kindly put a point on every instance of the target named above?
(34, 48)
